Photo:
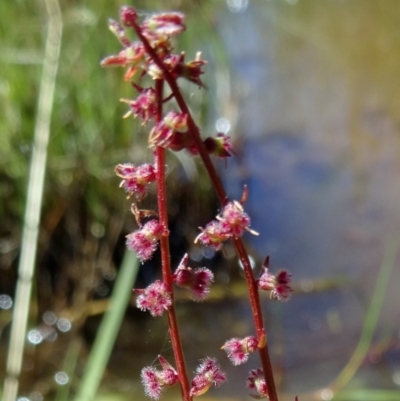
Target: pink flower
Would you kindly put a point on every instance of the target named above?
(198, 281)
(144, 106)
(168, 133)
(231, 223)
(136, 178)
(238, 350)
(155, 298)
(144, 241)
(207, 374)
(234, 215)
(278, 284)
(154, 380)
(214, 234)
(256, 384)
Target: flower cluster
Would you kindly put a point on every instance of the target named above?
(155, 380)
(278, 284)
(144, 241)
(207, 374)
(170, 132)
(198, 281)
(155, 298)
(238, 349)
(231, 223)
(136, 178)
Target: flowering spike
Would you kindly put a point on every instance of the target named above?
(238, 350)
(256, 384)
(155, 298)
(154, 380)
(207, 374)
(198, 281)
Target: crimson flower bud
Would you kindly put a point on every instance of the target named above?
(198, 281)
(128, 16)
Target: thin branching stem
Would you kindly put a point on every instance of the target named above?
(223, 198)
(165, 255)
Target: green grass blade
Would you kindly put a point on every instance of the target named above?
(109, 328)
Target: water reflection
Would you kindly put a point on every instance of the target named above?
(5, 302)
(319, 151)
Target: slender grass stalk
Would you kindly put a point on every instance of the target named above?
(34, 200)
(69, 367)
(109, 328)
(371, 318)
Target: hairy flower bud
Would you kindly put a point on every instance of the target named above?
(144, 241)
(154, 380)
(155, 298)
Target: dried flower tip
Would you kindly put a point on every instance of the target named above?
(155, 298)
(191, 70)
(128, 16)
(238, 350)
(144, 241)
(207, 374)
(154, 380)
(136, 178)
(256, 384)
(278, 284)
(198, 281)
(144, 106)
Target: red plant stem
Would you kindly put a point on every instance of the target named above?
(165, 255)
(223, 198)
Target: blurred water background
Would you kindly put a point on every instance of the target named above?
(309, 92)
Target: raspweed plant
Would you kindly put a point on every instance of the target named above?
(152, 55)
